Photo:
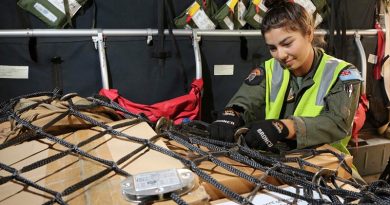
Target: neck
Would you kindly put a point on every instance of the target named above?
(305, 68)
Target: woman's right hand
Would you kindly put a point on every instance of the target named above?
(225, 126)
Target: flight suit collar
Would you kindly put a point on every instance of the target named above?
(308, 78)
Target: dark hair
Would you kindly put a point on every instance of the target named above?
(282, 13)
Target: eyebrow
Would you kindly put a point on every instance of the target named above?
(282, 41)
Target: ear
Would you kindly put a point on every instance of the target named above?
(310, 35)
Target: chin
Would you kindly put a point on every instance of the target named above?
(291, 68)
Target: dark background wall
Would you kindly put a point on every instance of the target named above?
(132, 70)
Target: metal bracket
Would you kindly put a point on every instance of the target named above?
(149, 37)
(325, 174)
(163, 124)
(98, 39)
(196, 36)
(239, 136)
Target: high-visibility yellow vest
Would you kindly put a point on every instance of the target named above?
(312, 101)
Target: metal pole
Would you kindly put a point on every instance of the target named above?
(198, 58)
(363, 60)
(100, 45)
(48, 32)
(146, 32)
(87, 32)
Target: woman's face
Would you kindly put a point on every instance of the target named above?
(291, 48)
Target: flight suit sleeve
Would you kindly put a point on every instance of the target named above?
(251, 96)
(335, 120)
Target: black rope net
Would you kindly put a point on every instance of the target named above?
(65, 149)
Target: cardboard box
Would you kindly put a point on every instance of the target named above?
(230, 180)
(73, 168)
(240, 185)
(198, 196)
(270, 197)
(223, 176)
(327, 160)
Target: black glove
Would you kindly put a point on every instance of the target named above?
(264, 134)
(226, 124)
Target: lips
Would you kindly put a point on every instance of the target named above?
(289, 63)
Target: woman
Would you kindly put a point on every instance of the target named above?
(308, 97)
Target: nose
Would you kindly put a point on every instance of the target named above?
(281, 54)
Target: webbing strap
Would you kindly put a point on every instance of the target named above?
(171, 25)
(67, 14)
(57, 72)
(165, 16)
(336, 44)
(159, 51)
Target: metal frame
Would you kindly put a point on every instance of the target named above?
(101, 46)
(148, 32)
(363, 60)
(99, 34)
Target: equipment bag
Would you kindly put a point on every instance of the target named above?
(176, 109)
(254, 14)
(256, 10)
(198, 15)
(231, 14)
(317, 8)
(55, 13)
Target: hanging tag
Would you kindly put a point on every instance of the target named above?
(45, 12)
(373, 59)
(202, 21)
(258, 18)
(241, 11)
(231, 4)
(74, 6)
(193, 9)
(318, 20)
(260, 4)
(256, 2)
(308, 5)
(229, 23)
(199, 17)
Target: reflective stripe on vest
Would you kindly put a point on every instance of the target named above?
(277, 80)
(312, 101)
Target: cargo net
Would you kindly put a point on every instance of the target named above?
(44, 134)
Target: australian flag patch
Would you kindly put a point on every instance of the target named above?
(350, 74)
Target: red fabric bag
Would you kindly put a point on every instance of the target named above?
(176, 109)
(360, 118)
(380, 52)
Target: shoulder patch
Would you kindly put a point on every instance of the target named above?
(255, 77)
(350, 74)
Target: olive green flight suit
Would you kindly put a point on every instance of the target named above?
(332, 124)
